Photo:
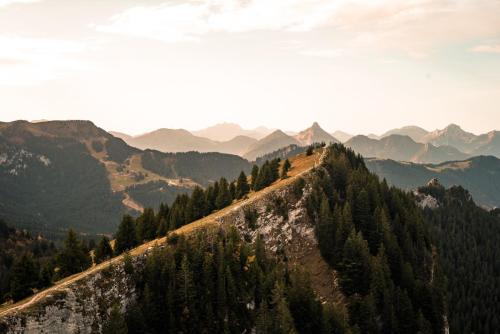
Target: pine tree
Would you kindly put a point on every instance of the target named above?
(281, 316)
(254, 176)
(223, 197)
(285, 169)
(147, 225)
(355, 266)
(242, 187)
(126, 236)
(103, 250)
(197, 205)
(116, 323)
(74, 256)
(325, 230)
(24, 277)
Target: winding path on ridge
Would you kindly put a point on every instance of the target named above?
(301, 164)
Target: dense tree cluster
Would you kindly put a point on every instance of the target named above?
(266, 174)
(467, 238)
(28, 263)
(376, 238)
(184, 210)
(215, 282)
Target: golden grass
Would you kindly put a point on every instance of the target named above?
(300, 165)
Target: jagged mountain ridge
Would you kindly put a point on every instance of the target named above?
(403, 148)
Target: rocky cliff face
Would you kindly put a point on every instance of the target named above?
(278, 215)
(78, 307)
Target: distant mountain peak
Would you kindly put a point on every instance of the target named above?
(314, 134)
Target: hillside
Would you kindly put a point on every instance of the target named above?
(467, 239)
(276, 140)
(403, 148)
(297, 229)
(480, 175)
(60, 174)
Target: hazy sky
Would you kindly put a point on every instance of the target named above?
(360, 66)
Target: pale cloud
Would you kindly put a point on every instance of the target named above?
(486, 49)
(323, 53)
(12, 2)
(412, 26)
(28, 61)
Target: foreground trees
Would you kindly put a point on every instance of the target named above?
(377, 240)
(215, 282)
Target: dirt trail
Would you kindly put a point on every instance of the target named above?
(300, 166)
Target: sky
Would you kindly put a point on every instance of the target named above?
(361, 66)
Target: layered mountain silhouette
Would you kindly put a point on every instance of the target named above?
(479, 175)
(227, 131)
(270, 143)
(247, 146)
(414, 132)
(403, 148)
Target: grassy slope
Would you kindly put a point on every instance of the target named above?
(301, 164)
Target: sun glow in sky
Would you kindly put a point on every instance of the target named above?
(360, 66)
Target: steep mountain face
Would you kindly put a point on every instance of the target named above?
(403, 148)
(238, 145)
(227, 131)
(487, 144)
(342, 136)
(414, 132)
(270, 143)
(61, 174)
(452, 135)
(480, 175)
(315, 134)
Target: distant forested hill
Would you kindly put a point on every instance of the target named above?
(61, 174)
(480, 175)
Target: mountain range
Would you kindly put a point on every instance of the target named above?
(249, 144)
(60, 174)
(408, 143)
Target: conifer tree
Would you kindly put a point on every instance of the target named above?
(254, 176)
(197, 205)
(116, 323)
(223, 197)
(103, 250)
(285, 169)
(24, 277)
(74, 256)
(242, 187)
(126, 236)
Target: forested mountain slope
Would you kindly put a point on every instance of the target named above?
(479, 175)
(467, 239)
(60, 174)
(366, 251)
